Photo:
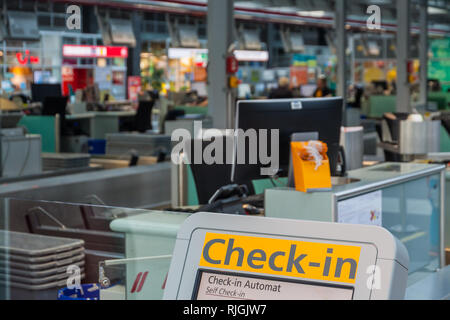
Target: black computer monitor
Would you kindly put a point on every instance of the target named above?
(10, 120)
(382, 84)
(143, 118)
(56, 105)
(289, 116)
(209, 178)
(41, 91)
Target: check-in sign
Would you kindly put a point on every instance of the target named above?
(281, 257)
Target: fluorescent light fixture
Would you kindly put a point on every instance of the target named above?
(373, 48)
(178, 53)
(434, 10)
(241, 55)
(315, 14)
(251, 55)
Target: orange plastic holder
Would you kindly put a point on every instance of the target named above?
(307, 178)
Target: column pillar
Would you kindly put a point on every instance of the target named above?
(341, 47)
(423, 52)
(220, 37)
(403, 41)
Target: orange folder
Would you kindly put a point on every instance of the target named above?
(309, 177)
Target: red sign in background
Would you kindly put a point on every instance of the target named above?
(84, 51)
(134, 88)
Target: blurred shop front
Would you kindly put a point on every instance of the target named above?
(154, 65)
(76, 60)
(21, 65)
(86, 65)
(374, 63)
(23, 59)
(187, 69)
(55, 59)
(304, 61)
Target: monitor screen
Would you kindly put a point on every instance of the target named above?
(380, 84)
(227, 286)
(283, 72)
(7, 86)
(269, 75)
(308, 90)
(41, 91)
(272, 85)
(288, 116)
(201, 88)
(42, 76)
(260, 88)
(244, 90)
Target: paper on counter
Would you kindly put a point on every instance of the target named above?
(365, 209)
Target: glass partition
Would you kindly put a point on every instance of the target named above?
(411, 211)
(53, 250)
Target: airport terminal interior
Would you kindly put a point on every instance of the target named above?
(225, 150)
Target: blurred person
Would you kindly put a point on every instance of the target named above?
(434, 85)
(283, 91)
(392, 88)
(355, 96)
(322, 91)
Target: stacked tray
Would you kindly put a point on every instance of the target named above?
(34, 266)
(150, 145)
(60, 161)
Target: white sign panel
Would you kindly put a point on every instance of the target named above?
(103, 76)
(249, 55)
(365, 209)
(178, 53)
(217, 286)
(241, 55)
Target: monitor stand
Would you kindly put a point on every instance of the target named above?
(299, 137)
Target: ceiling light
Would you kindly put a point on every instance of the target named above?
(434, 10)
(315, 14)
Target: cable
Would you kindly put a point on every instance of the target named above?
(26, 158)
(273, 183)
(7, 156)
(3, 163)
(277, 179)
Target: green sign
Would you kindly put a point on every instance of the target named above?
(439, 64)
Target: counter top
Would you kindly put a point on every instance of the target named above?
(379, 176)
(385, 174)
(154, 223)
(114, 113)
(434, 287)
(93, 114)
(77, 116)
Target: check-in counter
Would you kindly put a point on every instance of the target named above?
(149, 244)
(133, 187)
(405, 198)
(128, 251)
(95, 125)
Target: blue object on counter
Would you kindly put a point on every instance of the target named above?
(97, 146)
(89, 292)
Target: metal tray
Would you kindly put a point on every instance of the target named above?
(40, 273)
(45, 266)
(42, 259)
(34, 245)
(37, 281)
(28, 287)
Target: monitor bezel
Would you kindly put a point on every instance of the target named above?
(270, 101)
